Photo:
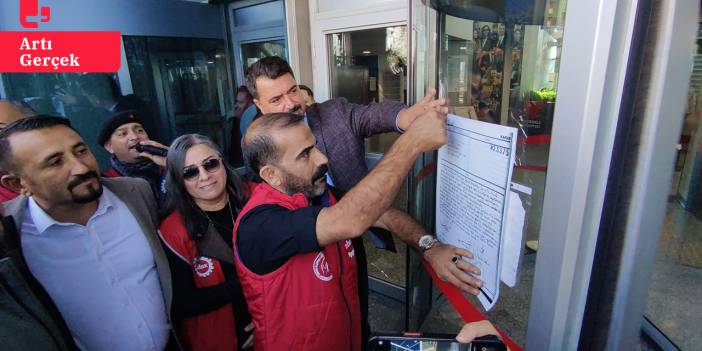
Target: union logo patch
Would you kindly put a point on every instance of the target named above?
(203, 266)
(320, 267)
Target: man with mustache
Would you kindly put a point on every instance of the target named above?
(340, 129)
(292, 240)
(119, 135)
(86, 248)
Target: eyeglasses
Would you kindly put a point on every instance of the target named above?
(210, 165)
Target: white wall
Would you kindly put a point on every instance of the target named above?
(299, 46)
(335, 16)
(131, 17)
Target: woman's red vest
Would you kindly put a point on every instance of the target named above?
(214, 330)
(311, 302)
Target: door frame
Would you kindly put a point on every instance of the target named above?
(386, 14)
(271, 30)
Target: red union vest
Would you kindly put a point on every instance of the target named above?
(311, 302)
(111, 173)
(214, 330)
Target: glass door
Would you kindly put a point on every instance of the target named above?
(673, 308)
(257, 30)
(596, 148)
(254, 51)
(365, 67)
(497, 71)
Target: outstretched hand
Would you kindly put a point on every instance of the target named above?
(428, 103)
(428, 131)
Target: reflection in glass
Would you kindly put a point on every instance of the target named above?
(495, 72)
(365, 67)
(85, 99)
(252, 52)
(184, 81)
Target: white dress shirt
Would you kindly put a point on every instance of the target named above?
(102, 276)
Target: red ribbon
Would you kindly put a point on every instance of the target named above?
(463, 307)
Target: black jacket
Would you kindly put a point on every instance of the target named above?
(29, 320)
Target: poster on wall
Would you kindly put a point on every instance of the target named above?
(490, 45)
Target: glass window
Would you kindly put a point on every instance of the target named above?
(85, 99)
(369, 66)
(673, 306)
(262, 13)
(495, 72)
(184, 81)
(252, 52)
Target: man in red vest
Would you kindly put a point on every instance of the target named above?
(292, 240)
(11, 111)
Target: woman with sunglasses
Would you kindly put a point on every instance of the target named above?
(203, 199)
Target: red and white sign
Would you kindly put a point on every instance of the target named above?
(56, 51)
(59, 52)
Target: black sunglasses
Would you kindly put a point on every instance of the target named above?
(210, 165)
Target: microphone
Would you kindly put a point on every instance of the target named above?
(151, 149)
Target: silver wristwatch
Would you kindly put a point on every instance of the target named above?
(426, 242)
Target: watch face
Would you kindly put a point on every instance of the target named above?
(425, 241)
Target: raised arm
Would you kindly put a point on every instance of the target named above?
(388, 116)
(373, 195)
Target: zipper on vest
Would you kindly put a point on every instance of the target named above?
(343, 293)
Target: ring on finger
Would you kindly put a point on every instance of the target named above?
(455, 259)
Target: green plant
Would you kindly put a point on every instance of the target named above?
(544, 94)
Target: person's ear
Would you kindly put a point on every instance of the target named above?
(14, 183)
(257, 103)
(271, 175)
(108, 147)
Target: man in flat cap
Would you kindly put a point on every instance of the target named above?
(120, 134)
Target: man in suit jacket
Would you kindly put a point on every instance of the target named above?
(340, 128)
(85, 247)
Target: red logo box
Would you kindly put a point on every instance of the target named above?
(59, 52)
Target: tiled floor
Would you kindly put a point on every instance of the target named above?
(675, 295)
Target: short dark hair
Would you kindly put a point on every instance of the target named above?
(28, 124)
(258, 147)
(307, 89)
(270, 67)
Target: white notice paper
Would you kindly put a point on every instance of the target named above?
(513, 241)
(473, 179)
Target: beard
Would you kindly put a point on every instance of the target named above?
(311, 188)
(91, 194)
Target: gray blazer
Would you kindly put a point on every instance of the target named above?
(136, 194)
(341, 128)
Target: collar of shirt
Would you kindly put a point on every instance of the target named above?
(44, 221)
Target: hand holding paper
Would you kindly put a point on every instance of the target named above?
(441, 259)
